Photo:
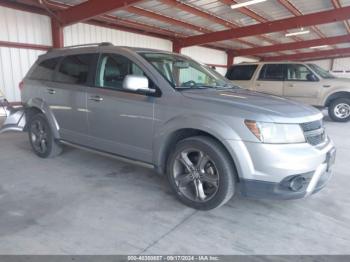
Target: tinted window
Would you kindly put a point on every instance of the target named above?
(45, 69)
(241, 72)
(114, 68)
(74, 69)
(272, 72)
(298, 72)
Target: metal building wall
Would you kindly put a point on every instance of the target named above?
(22, 27)
(339, 67)
(207, 56)
(85, 33)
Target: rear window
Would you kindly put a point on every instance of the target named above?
(272, 72)
(74, 69)
(241, 72)
(45, 70)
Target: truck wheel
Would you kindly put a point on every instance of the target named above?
(201, 173)
(339, 110)
(41, 137)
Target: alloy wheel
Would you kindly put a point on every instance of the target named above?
(196, 175)
(38, 135)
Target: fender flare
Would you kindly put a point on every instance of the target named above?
(39, 104)
(164, 136)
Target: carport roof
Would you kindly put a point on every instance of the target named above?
(258, 29)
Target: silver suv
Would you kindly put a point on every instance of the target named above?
(164, 110)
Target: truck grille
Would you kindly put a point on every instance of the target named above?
(314, 132)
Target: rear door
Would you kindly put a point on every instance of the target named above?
(66, 96)
(270, 79)
(242, 75)
(120, 121)
(301, 84)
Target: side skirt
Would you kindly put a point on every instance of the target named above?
(102, 153)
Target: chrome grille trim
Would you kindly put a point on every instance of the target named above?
(314, 132)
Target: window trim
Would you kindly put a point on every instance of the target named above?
(97, 68)
(53, 71)
(273, 80)
(228, 73)
(90, 69)
(295, 80)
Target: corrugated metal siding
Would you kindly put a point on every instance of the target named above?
(14, 64)
(22, 27)
(325, 64)
(84, 33)
(342, 64)
(207, 56)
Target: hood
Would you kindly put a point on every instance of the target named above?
(276, 108)
(338, 81)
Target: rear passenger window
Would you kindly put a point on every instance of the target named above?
(272, 72)
(241, 72)
(45, 70)
(74, 69)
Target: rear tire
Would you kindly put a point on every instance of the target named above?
(201, 173)
(41, 137)
(339, 110)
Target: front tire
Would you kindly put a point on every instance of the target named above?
(201, 173)
(41, 138)
(339, 110)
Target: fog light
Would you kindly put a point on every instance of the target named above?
(297, 183)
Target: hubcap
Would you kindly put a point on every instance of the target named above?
(342, 110)
(196, 175)
(38, 136)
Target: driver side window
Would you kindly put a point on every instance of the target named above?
(113, 69)
(298, 72)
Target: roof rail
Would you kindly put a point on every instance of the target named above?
(82, 45)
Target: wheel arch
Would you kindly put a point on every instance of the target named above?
(336, 95)
(37, 105)
(174, 137)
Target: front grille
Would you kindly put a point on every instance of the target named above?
(314, 132)
(310, 126)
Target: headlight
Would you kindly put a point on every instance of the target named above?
(272, 133)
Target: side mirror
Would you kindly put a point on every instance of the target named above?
(137, 83)
(311, 77)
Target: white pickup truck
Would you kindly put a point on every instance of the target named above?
(304, 82)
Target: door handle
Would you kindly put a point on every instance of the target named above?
(96, 98)
(326, 86)
(258, 84)
(51, 91)
(291, 85)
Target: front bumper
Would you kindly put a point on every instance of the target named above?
(272, 171)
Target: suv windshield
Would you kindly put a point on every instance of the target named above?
(321, 72)
(184, 73)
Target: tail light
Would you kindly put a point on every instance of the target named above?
(21, 85)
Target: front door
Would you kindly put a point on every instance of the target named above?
(301, 84)
(270, 79)
(120, 121)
